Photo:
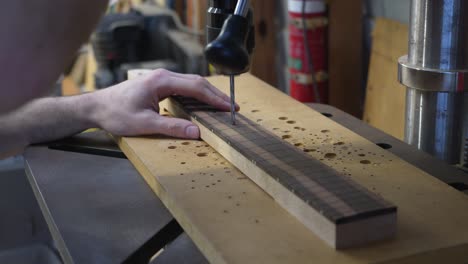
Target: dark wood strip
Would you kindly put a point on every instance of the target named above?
(332, 194)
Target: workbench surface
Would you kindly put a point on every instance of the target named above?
(233, 221)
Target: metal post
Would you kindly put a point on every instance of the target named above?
(434, 72)
(242, 8)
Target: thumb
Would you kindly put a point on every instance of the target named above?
(175, 127)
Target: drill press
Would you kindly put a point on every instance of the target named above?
(231, 40)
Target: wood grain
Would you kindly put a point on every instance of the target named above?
(232, 220)
(385, 97)
(264, 56)
(320, 197)
(345, 53)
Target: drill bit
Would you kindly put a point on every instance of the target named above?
(233, 101)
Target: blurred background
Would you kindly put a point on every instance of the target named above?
(354, 46)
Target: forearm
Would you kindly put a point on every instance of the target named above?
(130, 108)
(46, 119)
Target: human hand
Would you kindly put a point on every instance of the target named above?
(132, 107)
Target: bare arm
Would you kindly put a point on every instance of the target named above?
(37, 40)
(129, 108)
(44, 120)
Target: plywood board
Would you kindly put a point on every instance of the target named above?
(385, 97)
(327, 202)
(232, 220)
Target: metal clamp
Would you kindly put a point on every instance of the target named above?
(432, 80)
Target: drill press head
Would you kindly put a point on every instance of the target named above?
(230, 36)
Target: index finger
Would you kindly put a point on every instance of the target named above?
(196, 88)
(206, 83)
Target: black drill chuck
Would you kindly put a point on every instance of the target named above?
(228, 52)
(230, 37)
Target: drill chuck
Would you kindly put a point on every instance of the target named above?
(230, 36)
(228, 53)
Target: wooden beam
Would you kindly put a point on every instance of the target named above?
(91, 69)
(331, 205)
(69, 87)
(345, 54)
(231, 220)
(196, 14)
(385, 97)
(264, 56)
(179, 7)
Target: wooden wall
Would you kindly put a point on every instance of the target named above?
(385, 99)
(346, 55)
(264, 58)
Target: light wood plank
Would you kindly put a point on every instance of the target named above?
(338, 210)
(234, 221)
(264, 55)
(385, 97)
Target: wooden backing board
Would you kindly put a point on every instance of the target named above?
(329, 203)
(232, 220)
(385, 97)
(263, 58)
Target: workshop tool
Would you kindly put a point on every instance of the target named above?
(435, 72)
(230, 46)
(148, 37)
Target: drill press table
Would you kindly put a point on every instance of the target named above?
(234, 221)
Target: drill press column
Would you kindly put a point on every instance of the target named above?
(434, 73)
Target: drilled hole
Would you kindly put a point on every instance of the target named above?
(309, 150)
(384, 145)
